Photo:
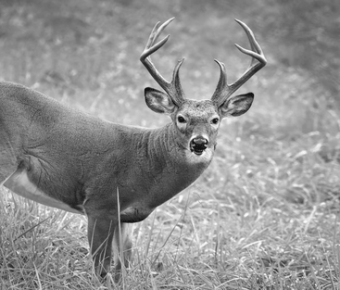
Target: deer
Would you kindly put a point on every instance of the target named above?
(115, 174)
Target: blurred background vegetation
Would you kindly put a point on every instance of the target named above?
(90, 49)
(267, 212)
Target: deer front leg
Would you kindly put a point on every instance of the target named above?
(100, 234)
(122, 249)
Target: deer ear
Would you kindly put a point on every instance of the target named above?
(236, 105)
(158, 101)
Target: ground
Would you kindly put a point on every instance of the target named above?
(266, 213)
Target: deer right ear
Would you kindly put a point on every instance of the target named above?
(158, 101)
(236, 105)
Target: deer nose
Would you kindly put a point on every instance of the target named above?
(198, 145)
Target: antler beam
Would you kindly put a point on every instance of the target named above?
(173, 88)
(223, 90)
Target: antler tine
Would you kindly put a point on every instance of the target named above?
(223, 90)
(156, 31)
(173, 88)
(251, 37)
(222, 82)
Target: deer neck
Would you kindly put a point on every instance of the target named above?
(171, 167)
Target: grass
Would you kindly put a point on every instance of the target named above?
(265, 215)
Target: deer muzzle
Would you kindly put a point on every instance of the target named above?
(198, 145)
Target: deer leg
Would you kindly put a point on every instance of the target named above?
(122, 247)
(7, 165)
(100, 235)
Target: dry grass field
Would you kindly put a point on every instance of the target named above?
(265, 215)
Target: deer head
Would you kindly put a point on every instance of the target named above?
(197, 122)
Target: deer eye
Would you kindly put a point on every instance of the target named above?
(181, 119)
(215, 120)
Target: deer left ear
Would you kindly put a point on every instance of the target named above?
(236, 105)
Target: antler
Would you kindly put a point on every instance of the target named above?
(174, 89)
(223, 90)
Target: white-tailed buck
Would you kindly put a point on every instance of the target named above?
(60, 157)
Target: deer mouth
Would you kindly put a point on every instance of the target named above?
(198, 145)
